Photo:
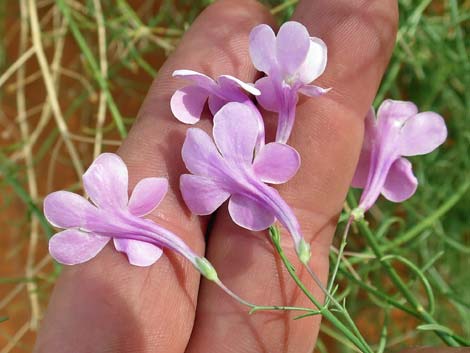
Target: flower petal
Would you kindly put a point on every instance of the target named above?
(202, 195)
(139, 253)
(199, 79)
(200, 154)
(71, 246)
(106, 181)
(315, 63)
(398, 111)
(64, 209)
(268, 98)
(292, 46)
(401, 183)
(313, 91)
(422, 133)
(147, 195)
(230, 81)
(235, 132)
(363, 165)
(215, 103)
(362, 170)
(249, 214)
(188, 103)
(276, 163)
(263, 48)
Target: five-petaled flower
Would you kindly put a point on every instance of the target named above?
(291, 61)
(399, 131)
(112, 215)
(227, 167)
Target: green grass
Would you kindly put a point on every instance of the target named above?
(430, 66)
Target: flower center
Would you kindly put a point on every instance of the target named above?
(290, 80)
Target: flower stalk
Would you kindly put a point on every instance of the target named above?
(401, 286)
(355, 337)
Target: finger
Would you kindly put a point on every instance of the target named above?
(328, 135)
(107, 305)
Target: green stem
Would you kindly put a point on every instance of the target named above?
(254, 307)
(340, 253)
(8, 174)
(64, 8)
(277, 307)
(379, 294)
(274, 233)
(412, 300)
(338, 306)
(431, 219)
(332, 281)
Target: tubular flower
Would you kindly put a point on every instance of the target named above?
(226, 167)
(399, 131)
(188, 102)
(112, 215)
(291, 61)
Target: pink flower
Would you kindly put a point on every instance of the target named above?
(399, 131)
(226, 167)
(188, 103)
(291, 61)
(112, 215)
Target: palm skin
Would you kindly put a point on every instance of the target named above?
(107, 305)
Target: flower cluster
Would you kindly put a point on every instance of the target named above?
(236, 163)
(240, 163)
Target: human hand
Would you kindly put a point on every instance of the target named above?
(107, 305)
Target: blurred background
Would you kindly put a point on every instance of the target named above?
(72, 76)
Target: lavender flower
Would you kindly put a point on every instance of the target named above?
(188, 102)
(113, 215)
(398, 131)
(226, 167)
(291, 61)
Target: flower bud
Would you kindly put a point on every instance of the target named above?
(206, 269)
(303, 251)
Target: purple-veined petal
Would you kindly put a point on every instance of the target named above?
(249, 214)
(106, 181)
(71, 246)
(139, 253)
(263, 48)
(401, 183)
(276, 163)
(202, 195)
(313, 91)
(315, 63)
(199, 79)
(236, 131)
(292, 46)
(230, 81)
(199, 153)
(147, 195)
(188, 103)
(215, 103)
(268, 98)
(422, 133)
(64, 209)
(363, 165)
(396, 111)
